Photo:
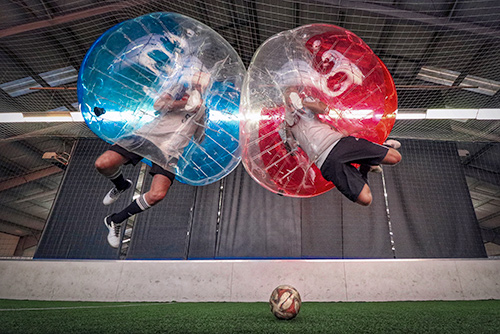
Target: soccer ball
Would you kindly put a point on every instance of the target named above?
(285, 302)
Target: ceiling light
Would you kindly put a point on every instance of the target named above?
(77, 116)
(47, 117)
(484, 86)
(11, 117)
(438, 75)
(60, 76)
(35, 117)
(20, 86)
(488, 114)
(410, 116)
(451, 113)
(456, 114)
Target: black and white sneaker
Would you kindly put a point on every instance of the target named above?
(365, 169)
(376, 169)
(114, 194)
(392, 143)
(114, 232)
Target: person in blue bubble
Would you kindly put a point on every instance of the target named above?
(180, 118)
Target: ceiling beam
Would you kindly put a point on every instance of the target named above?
(21, 219)
(476, 155)
(416, 17)
(17, 181)
(474, 133)
(16, 230)
(42, 194)
(70, 17)
(18, 61)
(349, 4)
(15, 151)
(488, 217)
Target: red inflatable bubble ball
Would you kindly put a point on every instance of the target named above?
(320, 63)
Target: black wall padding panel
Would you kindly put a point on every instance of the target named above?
(257, 223)
(203, 236)
(321, 224)
(431, 210)
(161, 232)
(334, 227)
(366, 232)
(75, 228)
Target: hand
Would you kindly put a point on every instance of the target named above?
(167, 103)
(292, 98)
(194, 101)
(163, 103)
(316, 106)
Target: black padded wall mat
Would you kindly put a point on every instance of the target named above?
(429, 214)
(431, 209)
(161, 232)
(75, 228)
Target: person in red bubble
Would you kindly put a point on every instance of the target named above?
(332, 150)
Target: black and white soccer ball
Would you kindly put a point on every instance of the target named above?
(285, 302)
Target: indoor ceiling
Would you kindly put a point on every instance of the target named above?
(443, 54)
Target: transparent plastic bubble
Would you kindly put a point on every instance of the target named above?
(166, 87)
(321, 62)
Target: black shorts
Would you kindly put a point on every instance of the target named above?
(135, 158)
(338, 167)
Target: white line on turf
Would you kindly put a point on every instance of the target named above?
(74, 307)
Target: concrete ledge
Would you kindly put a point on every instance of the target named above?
(250, 281)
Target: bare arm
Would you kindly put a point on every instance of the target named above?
(199, 134)
(287, 137)
(318, 107)
(167, 103)
(292, 103)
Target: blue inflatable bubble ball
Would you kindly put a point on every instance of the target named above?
(166, 87)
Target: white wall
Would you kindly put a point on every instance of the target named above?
(240, 280)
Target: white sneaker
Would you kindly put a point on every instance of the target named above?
(114, 232)
(114, 194)
(393, 143)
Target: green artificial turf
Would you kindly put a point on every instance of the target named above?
(381, 317)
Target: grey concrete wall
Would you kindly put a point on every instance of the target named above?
(245, 280)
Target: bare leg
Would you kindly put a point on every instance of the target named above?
(392, 157)
(365, 196)
(158, 190)
(109, 163)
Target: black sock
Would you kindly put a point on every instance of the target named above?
(134, 208)
(119, 181)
